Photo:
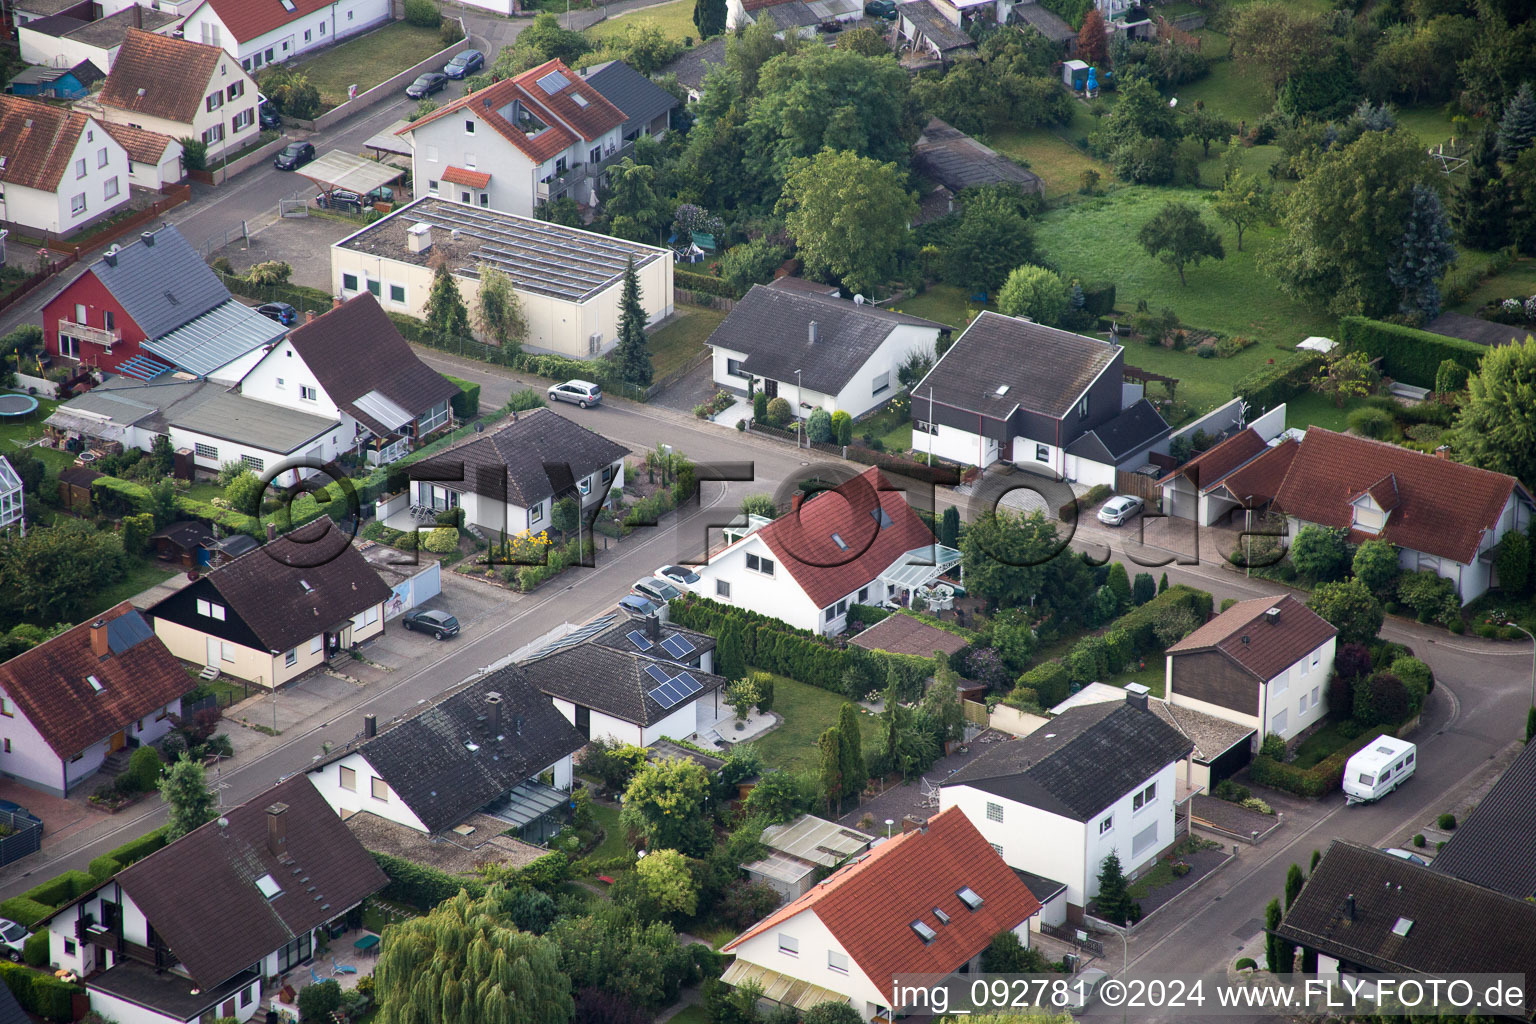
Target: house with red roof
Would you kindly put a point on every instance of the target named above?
(1232, 475)
(262, 32)
(924, 902)
(546, 134)
(858, 543)
(1444, 517)
(59, 169)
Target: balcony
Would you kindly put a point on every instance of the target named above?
(381, 453)
(94, 335)
(159, 957)
(557, 185)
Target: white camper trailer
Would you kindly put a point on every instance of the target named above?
(1378, 769)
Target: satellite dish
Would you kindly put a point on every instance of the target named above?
(1173, 102)
(858, 300)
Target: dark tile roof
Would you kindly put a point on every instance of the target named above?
(907, 634)
(161, 285)
(51, 686)
(185, 534)
(1263, 648)
(1045, 370)
(1475, 329)
(356, 349)
(612, 681)
(160, 76)
(957, 161)
(692, 65)
(1492, 846)
(10, 1010)
(524, 462)
(299, 585)
(38, 141)
(1044, 889)
(168, 994)
(1133, 430)
(772, 326)
(617, 637)
(641, 99)
(200, 895)
(933, 26)
(1453, 923)
(426, 757)
(1080, 762)
(1258, 481)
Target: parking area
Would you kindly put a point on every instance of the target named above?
(304, 243)
(477, 606)
(62, 818)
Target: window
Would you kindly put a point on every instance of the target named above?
(109, 318)
(244, 120)
(69, 944)
(969, 897)
(733, 368)
(996, 848)
(469, 126)
(205, 451)
(246, 995)
(77, 204)
(595, 154)
(1315, 691)
(215, 101)
(536, 514)
(1042, 453)
(5, 708)
(80, 168)
(1144, 840)
(349, 282)
(1107, 824)
(295, 953)
(315, 643)
(864, 595)
(1312, 662)
(586, 486)
(607, 474)
(306, 35)
(375, 287)
(397, 293)
(1278, 723)
(924, 932)
(322, 28)
(882, 382)
(210, 610)
(349, 15)
(485, 199)
(788, 944)
(723, 589)
(1280, 683)
(560, 166)
(214, 134)
(837, 961)
(307, 393)
(253, 462)
(227, 652)
(291, 658)
(109, 190)
(101, 157)
(1082, 407)
(994, 811)
(379, 789)
(1144, 797)
(349, 778)
(432, 186)
(757, 563)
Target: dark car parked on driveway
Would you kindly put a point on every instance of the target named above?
(426, 85)
(425, 620)
(279, 311)
(881, 9)
(293, 156)
(464, 64)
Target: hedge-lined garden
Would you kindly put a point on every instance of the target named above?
(41, 900)
(1407, 354)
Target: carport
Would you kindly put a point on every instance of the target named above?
(387, 143)
(348, 171)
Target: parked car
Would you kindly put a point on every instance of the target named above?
(634, 604)
(382, 194)
(293, 156)
(269, 117)
(12, 935)
(679, 574)
(881, 9)
(465, 63)
(657, 590)
(279, 311)
(426, 620)
(11, 807)
(582, 392)
(1119, 509)
(1397, 851)
(1083, 989)
(426, 85)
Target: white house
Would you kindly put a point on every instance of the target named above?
(154, 160)
(494, 746)
(83, 34)
(1237, 476)
(60, 169)
(539, 136)
(180, 89)
(1262, 663)
(860, 543)
(12, 502)
(1094, 780)
(262, 32)
(632, 680)
(210, 925)
(1444, 517)
(68, 704)
(816, 350)
(925, 902)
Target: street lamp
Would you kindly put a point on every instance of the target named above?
(888, 823)
(798, 421)
(1125, 960)
(1528, 633)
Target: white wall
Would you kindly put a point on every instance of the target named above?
(443, 143)
(1291, 693)
(682, 723)
(810, 963)
(336, 21)
(53, 212)
(1087, 472)
(326, 447)
(30, 759)
(1026, 451)
(858, 396)
(777, 595)
(60, 52)
(950, 443)
(327, 781)
(155, 176)
(227, 74)
(278, 378)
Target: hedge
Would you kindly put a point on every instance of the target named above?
(1284, 379)
(868, 614)
(1051, 682)
(1099, 299)
(40, 993)
(1407, 354)
(466, 404)
(25, 912)
(421, 886)
(704, 283)
(60, 890)
(34, 951)
(104, 867)
(1319, 780)
(1140, 623)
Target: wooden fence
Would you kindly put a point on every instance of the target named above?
(175, 195)
(1137, 484)
(687, 296)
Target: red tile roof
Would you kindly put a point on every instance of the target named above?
(247, 19)
(459, 176)
(869, 904)
(143, 146)
(51, 686)
(1255, 483)
(804, 545)
(1442, 508)
(1210, 466)
(37, 141)
(161, 76)
(1264, 648)
(578, 104)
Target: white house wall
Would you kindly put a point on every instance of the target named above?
(327, 781)
(858, 396)
(328, 24)
(778, 595)
(1088, 472)
(326, 447)
(815, 940)
(29, 759)
(53, 212)
(1290, 693)
(226, 74)
(278, 378)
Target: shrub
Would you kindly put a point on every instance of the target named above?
(842, 427)
(40, 993)
(1051, 682)
(1415, 675)
(1246, 963)
(1273, 746)
(818, 427)
(760, 406)
(466, 403)
(144, 768)
(442, 541)
(1371, 422)
(778, 412)
(104, 867)
(1320, 554)
(35, 949)
(25, 912)
(1450, 377)
(1431, 596)
(1286, 378)
(1407, 354)
(422, 14)
(1253, 803)
(317, 1001)
(1447, 822)
(1319, 780)
(1231, 791)
(1418, 840)
(421, 886)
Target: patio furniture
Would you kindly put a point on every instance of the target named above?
(337, 968)
(368, 945)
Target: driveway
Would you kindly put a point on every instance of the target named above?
(62, 818)
(304, 243)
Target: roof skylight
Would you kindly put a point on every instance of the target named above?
(269, 887)
(96, 684)
(969, 897)
(924, 932)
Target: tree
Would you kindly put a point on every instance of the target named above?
(318, 1000)
(1344, 223)
(1272, 918)
(832, 1013)
(818, 426)
(1208, 126)
(162, 502)
(1513, 564)
(842, 428)
(269, 273)
(1119, 583)
(665, 803)
(1422, 255)
(499, 312)
(1375, 565)
(741, 696)
(598, 1006)
(244, 492)
(446, 315)
(1517, 128)
(991, 239)
(1036, 293)
(1482, 204)
(709, 17)
(50, 574)
(1091, 46)
(1178, 236)
(1320, 554)
(731, 651)
(194, 153)
(1530, 723)
(949, 527)
(144, 769)
(665, 878)
(851, 752)
(633, 353)
(184, 788)
(1173, 623)
(776, 797)
(1003, 555)
(829, 744)
(752, 263)
(848, 215)
(1350, 607)
(941, 706)
(865, 41)
(460, 964)
(1140, 114)
(610, 950)
(1450, 377)
(1294, 880)
(565, 516)
(1243, 202)
(634, 206)
(1496, 425)
(1346, 375)
(1114, 898)
(1143, 589)
(1277, 38)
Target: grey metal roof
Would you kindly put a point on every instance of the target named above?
(223, 334)
(691, 66)
(161, 285)
(1492, 847)
(1134, 429)
(772, 327)
(785, 16)
(933, 26)
(641, 99)
(274, 428)
(1047, 23)
(957, 161)
(112, 30)
(125, 403)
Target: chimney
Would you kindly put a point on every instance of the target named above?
(811, 332)
(418, 237)
(335, 301)
(653, 628)
(99, 645)
(1136, 695)
(1246, 640)
(1349, 907)
(796, 501)
(111, 259)
(1272, 616)
(277, 829)
(912, 823)
(493, 703)
(309, 316)
(148, 238)
(138, 16)
(271, 531)
(1443, 452)
(370, 726)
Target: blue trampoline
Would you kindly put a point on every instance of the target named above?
(17, 406)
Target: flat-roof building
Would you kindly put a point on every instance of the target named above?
(568, 280)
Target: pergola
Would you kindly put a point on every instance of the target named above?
(338, 170)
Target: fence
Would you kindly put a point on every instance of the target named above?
(27, 838)
(384, 90)
(1168, 32)
(976, 713)
(1137, 484)
(687, 296)
(942, 475)
(31, 284)
(220, 700)
(1067, 933)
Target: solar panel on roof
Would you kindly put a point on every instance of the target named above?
(656, 674)
(661, 696)
(553, 82)
(678, 646)
(689, 684)
(640, 640)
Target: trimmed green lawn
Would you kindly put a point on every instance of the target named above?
(15, 435)
(675, 19)
(944, 303)
(1315, 410)
(1431, 124)
(1518, 280)
(694, 1014)
(1319, 745)
(1059, 163)
(369, 59)
(1231, 89)
(681, 340)
(807, 713)
(1152, 677)
(143, 573)
(607, 819)
(203, 491)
